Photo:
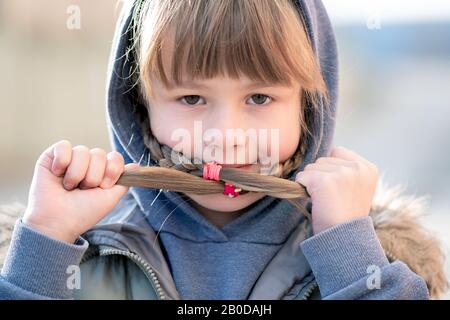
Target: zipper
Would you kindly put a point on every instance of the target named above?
(309, 290)
(145, 267)
(154, 281)
(89, 255)
(390, 256)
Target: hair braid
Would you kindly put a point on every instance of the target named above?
(176, 172)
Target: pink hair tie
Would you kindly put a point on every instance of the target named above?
(211, 171)
(230, 190)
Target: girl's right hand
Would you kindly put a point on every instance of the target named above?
(73, 188)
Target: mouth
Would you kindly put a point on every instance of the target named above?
(236, 166)
(240, 167)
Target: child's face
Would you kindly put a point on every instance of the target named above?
(217, 105)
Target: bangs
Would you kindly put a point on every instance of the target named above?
(199, 39)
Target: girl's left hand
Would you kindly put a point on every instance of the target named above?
(341, 187)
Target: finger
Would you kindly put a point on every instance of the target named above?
(323, 167)
(332, 160)
(96, 169)
(308, 179)
(114, 167)
(355, 160)
(62, 155)
(109, 197)
(131, 166)
(346, 154)
(128, 167)
(47, 157)
(77, 168)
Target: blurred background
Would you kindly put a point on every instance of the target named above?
(394, 106)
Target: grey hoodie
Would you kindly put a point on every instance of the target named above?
(261, 255)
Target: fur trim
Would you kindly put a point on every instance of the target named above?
(8, 216)
(396, 219)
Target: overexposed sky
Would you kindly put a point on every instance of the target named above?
(389, 11)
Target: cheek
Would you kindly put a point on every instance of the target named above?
(290, 131)
(168, 127)
(288, 125)
(289, 138)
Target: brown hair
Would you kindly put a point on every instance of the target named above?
(263, 39)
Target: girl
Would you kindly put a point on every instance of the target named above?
(232, 64)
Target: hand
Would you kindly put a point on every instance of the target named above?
(341, 187)
(73, 189)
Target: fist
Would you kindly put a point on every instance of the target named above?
(72, 189)
(341, 187)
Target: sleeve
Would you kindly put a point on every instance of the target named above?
(37, 266)
(348, 262)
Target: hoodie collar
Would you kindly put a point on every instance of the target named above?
(124, 229)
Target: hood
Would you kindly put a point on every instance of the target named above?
(126, 137)
(124, 132)
(267, 221)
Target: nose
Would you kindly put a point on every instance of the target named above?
(226, 133)
(224, 117)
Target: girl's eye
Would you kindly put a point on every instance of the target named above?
(259, 99)
(191, 100)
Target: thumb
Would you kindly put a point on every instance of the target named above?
(302, 177)
(118, 191)
(113, 195)
(56, 158)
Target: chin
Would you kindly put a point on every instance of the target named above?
(223, 203)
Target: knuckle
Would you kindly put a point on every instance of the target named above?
(113, 170)
(81, 149)
(337, 149)
(356, 165)
(98, 152)
(64, 142)
(309, 166)
(320, 159)
(114, 155)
